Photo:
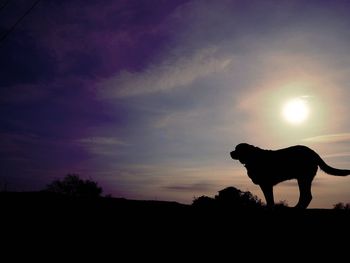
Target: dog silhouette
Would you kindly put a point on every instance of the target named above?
(267, 168)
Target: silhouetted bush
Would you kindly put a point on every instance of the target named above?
(281, 204)
(229, 197)
(342, 206)
(203, 201)
(73, 186)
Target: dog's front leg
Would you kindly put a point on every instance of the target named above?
(268, 193)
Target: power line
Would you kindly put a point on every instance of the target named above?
(4, 36)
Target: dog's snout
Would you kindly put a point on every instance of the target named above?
(233, 155)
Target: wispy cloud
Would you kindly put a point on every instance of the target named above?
(330, 138)
(12, 143)
(203, 186)
(179, 118)
(101, 145)
(336, 155)
(175, 72)
(102, 141)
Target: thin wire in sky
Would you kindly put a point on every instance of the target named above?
(5, 35)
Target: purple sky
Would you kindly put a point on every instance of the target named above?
(148, 97)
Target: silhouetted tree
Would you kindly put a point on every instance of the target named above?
(72, 185)
(342, 206)
(281, 204)
(231, 196)
(203, 201)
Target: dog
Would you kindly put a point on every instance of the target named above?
(267, 168)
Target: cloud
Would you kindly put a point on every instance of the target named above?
(329, 138)
(101, 145)
(204, 186)
(13, 144)
(179, 119)
(102, 141)
(172, 73)
(336, 155)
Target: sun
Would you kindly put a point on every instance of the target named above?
(296, 111)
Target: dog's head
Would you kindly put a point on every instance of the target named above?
(244, 152)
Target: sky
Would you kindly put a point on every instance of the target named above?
(148, 97)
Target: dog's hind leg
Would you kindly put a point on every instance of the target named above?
(268, 193)
(305, 196)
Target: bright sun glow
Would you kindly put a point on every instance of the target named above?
(295, 111)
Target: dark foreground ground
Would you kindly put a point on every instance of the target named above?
(52, 221)
(41, 208)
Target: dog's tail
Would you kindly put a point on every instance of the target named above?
(330, 170)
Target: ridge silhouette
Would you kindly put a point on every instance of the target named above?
(267, 168)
